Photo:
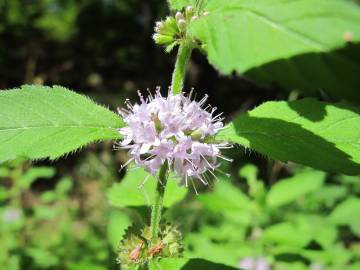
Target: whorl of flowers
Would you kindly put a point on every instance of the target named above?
(175, 129)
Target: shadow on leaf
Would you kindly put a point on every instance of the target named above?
(287, 141)
(200, 264)
(335, 72)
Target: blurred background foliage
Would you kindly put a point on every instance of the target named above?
(69, 214)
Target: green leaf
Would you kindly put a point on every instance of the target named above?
(179, 4)
(293, 43)
(228, 200)
(347, 212)
(317, 134)
(118, 223)
(287, 234)
(39, 122)
(328, 195)
(34, 173)
(127, 192)
(225, 196)
(188, 264)
(290, 189)
(225, 251)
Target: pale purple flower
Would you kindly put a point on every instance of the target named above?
(11, 215)
(254, 263)
(173, 129)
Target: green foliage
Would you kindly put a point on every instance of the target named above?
(75, 236)
(318, 134)
(55, 18)
(297, 234)
(347, 213)
(293, 43)
(58, 19)
(293, 188)
(130, 192)
(116, 228)
(38, 122)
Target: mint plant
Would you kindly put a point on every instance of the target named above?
(177, 136)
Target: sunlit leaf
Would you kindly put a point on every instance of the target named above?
(296, 44)
(317, 134)
(39, 122)
(347, 212)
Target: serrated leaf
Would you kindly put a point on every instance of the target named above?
(290, 189)
(293, 43)
(127, 192)
(317, 134)
(39, 122)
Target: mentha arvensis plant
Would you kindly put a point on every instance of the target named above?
(182, 136)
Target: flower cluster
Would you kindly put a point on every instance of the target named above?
(173, 29)
(138, 250)
(173, 129)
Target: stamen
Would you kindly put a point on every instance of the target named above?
(125, 164)
(222, 172)
(144, 182)
(192, 182)
(225, 158)
(202, 180)
(203, 100)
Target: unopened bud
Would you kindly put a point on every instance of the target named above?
(194, 18)
(171, 26)
(206, 13)
(158, 27)
(162, 39)
(181, 24)
(179, 16)
(159, 24)
(189, 12)
(196, 135)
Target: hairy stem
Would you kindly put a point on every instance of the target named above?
(182, 60)
(158, 202)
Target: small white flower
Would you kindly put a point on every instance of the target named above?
(175, 129)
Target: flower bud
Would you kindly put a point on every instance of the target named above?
(194, 18)
(189, 12)
(196, 135)
(179, 16)
(206, 13)
(182, 25)
(171, 26)
(163, 39)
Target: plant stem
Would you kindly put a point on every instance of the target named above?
(182, 60)
(158, 201)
